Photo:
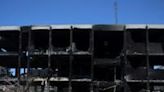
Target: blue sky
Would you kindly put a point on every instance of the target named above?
(28, 12)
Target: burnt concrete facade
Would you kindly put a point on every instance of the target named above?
(82, 58)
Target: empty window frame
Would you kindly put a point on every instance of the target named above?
(8, 62)
(136, 41)
(81, 67)
(60, 65)
(156, 72)
(9, 41)
(156, 41)
(39, 41)
(108, 44)
(107, 69)
(136, 68)
(81, 39)
(60, 40)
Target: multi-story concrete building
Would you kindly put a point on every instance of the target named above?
(82, 58)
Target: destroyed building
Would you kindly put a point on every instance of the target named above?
(82, 58)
